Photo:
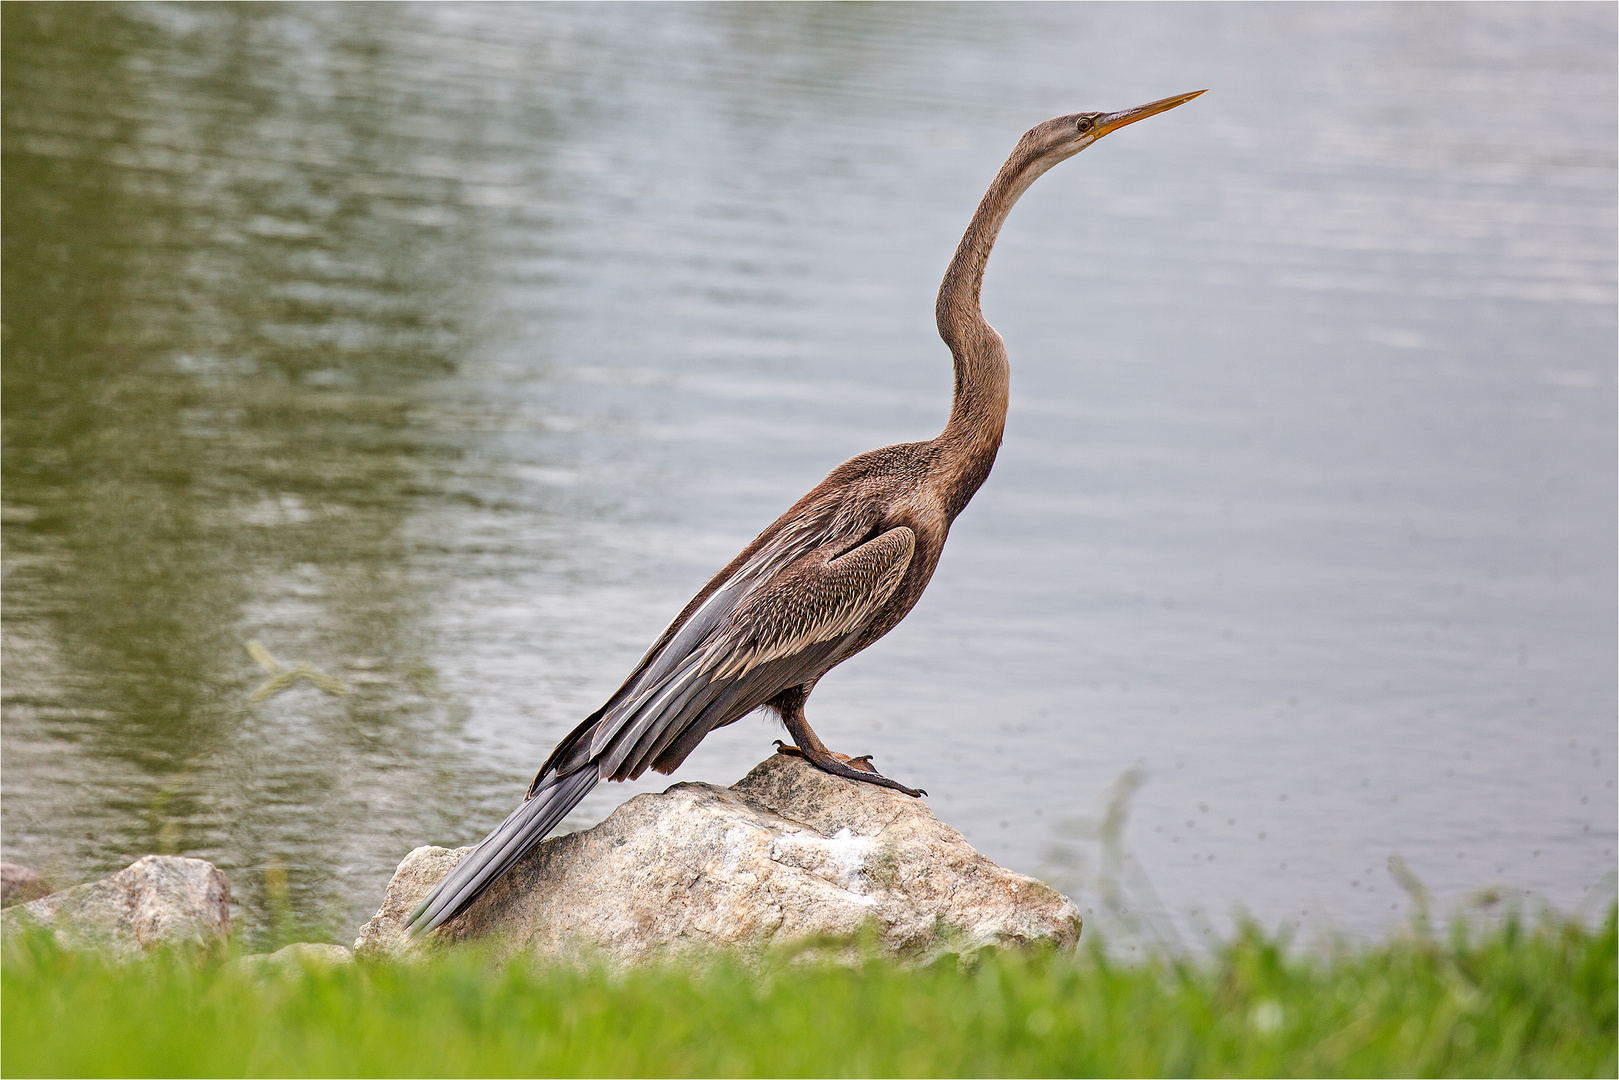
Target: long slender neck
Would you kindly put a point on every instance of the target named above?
(978, 411)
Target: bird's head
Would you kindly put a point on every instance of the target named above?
(1066, 136)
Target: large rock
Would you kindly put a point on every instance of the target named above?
(788, 854)
(18, 885)
(160, 900)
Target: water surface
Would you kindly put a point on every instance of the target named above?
(449, 349)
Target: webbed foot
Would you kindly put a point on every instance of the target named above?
(856, 768)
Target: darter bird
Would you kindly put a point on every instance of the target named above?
(833, 574)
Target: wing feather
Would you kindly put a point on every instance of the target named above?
(737, 698)
(833, 527)
(804, 608)
(815, 599)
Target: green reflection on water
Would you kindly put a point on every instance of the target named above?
(226, 294)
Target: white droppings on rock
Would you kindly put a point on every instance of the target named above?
(839, 858)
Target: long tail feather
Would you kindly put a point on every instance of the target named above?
(498, 852)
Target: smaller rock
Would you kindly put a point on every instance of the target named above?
(160, 900)
(18, 885)
(302, 956)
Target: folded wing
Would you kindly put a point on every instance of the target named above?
(761, 640)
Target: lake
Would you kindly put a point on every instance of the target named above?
(449, 349)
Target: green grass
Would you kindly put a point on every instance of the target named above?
(1517, 999)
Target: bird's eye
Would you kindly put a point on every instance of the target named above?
(1085, 124)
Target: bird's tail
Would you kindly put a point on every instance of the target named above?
(498, 852)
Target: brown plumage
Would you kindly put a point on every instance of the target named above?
(833, 574)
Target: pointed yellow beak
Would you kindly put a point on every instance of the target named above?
(1114, 121)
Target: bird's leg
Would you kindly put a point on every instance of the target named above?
(791, 706)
